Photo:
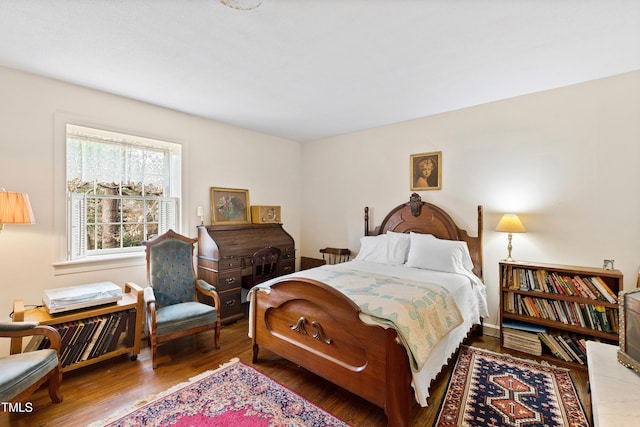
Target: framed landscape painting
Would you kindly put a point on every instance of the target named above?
(426, 171)
(229, 206)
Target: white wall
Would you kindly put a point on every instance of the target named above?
(565, 160)
(214, 155)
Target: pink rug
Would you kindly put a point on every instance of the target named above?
(234, 395)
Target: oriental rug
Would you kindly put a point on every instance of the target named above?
(234, 395)
(492, 389)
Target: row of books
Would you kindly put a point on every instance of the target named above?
(530, 338)
(592, 287)
(567, 347)
(89, 338)
(574, 313)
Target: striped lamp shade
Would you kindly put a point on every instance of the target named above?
(15, 208)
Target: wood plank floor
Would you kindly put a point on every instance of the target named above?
(94, 392)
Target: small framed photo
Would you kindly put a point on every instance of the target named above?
(608, 264)
(426, 171)
(230, 206)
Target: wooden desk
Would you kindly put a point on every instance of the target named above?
(224, 256)
(615, 389)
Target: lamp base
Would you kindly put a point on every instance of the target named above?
(509, 247)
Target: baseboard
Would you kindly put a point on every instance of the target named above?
(491, 330)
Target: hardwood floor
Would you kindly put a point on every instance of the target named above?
(94, 392)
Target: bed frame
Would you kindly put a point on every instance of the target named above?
(317, 327)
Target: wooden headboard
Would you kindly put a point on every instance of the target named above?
(426, 218)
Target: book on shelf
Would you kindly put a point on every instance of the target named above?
(565, 347)
(100, 322)
(540, 280)
(512, 324)
(606, 292)
(584, 288)
(34, 343)
(84, 339)
(521, 340)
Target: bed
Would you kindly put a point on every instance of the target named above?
(318, 319)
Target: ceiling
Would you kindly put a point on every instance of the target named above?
(310, 69)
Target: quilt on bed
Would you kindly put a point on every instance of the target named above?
(421, 312)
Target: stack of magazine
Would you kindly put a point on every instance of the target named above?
(522, 337)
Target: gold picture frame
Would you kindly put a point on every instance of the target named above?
(426, 171)
(230, 206)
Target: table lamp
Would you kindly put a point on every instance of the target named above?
(510, 223)
(15, 209)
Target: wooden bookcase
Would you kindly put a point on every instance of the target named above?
(129, 342)
(530, 294)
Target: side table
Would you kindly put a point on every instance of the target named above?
(614, 388)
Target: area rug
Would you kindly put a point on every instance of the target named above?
(234, 395)
(492, 389)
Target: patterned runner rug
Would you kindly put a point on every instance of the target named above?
(491, 389)
(234, 395)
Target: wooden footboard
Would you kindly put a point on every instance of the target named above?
(317, 327)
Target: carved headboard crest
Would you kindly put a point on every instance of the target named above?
(415, 202)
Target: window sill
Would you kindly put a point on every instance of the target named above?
(97, 263)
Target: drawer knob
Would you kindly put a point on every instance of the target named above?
(230, 302)
(231, 280)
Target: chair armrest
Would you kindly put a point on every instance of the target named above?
(26, 329)
(149, 296)
(150, 304)
(205, 287)
(209, 290)
(16, 326)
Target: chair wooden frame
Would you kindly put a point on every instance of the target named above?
(263, 259)
(201, 288)
(54, 376)
(335, 255)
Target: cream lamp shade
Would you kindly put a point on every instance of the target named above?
(510, 223)
(15, 208)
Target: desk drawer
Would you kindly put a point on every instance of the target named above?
(287, 266)
(229, 280)
(230, 303)
(229, 263)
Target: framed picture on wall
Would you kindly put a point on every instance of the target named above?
(426, 171)
(229, 206)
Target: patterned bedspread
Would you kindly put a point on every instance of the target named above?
(422, 313)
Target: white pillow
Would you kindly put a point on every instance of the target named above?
(373, 248)
(390, 248)
(428, 252)
(398, 247)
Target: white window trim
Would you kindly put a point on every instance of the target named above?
(96, 262)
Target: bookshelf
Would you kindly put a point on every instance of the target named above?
(562, 306)
(101, 332)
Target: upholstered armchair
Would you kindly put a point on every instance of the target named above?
(23, 373)
(172, 297)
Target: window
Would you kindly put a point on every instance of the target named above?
(121, 190)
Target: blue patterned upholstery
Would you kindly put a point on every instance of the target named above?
(173, 310)
(170, 269)
(22, 373)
